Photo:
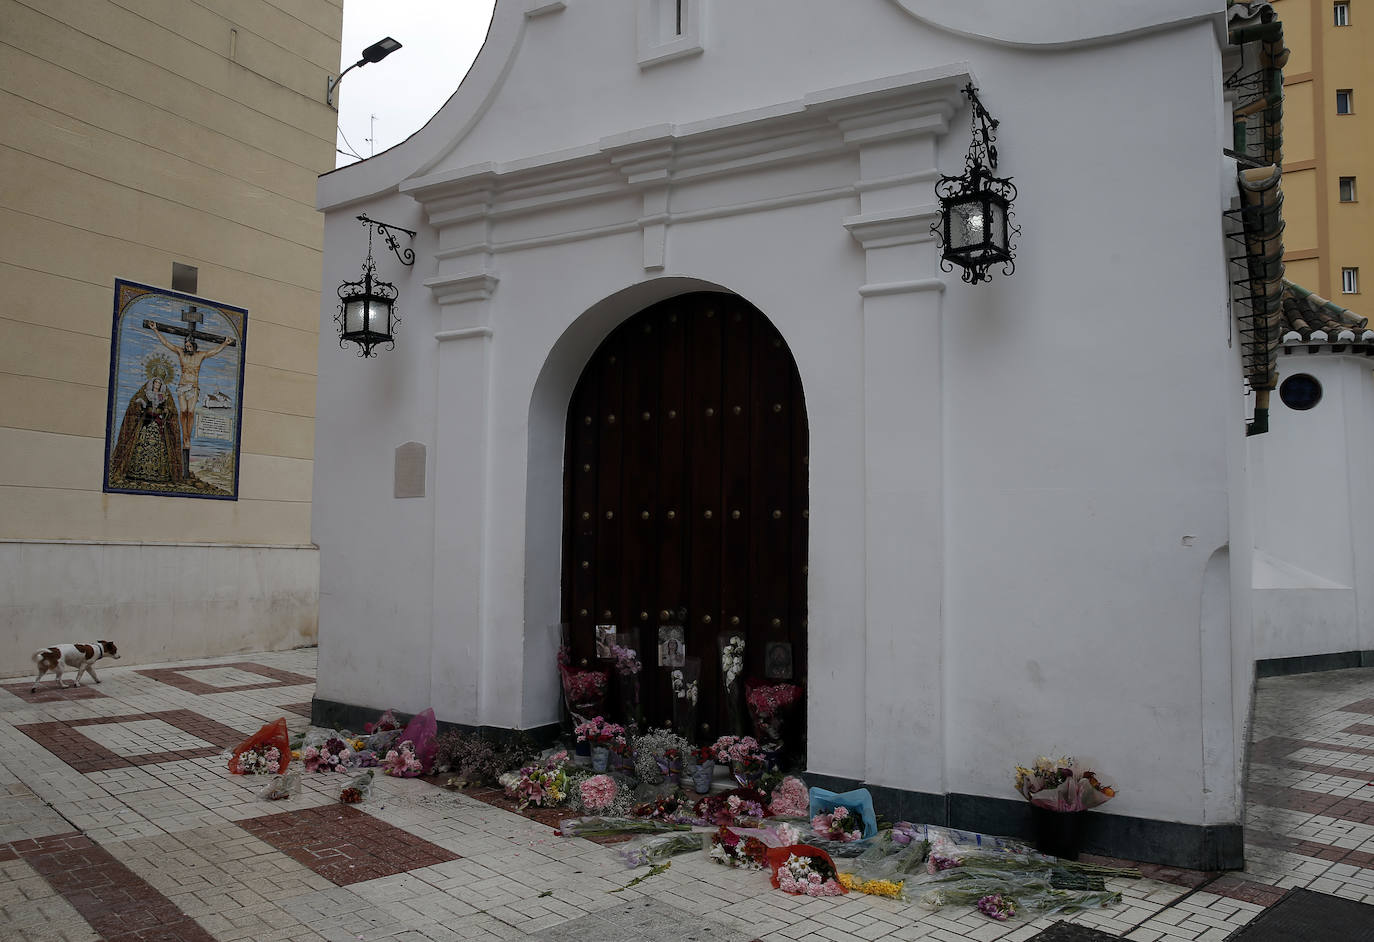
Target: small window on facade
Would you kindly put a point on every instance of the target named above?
(1342, 14)
(1350, 281)
(1300, 392)
(1345, 101)
(1347, 189)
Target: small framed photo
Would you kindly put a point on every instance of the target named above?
(605, 639)
(777, 660)
(672, 645)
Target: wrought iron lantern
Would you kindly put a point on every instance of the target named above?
(975, 227)
(367, 307)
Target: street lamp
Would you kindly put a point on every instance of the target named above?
(373, 53)
(975, 227)
(367, 307)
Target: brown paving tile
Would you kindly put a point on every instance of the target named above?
(300, 709)
(178, 677)
(49, 692)
(1342, 772)
(84, 754)
(1360, 729)
(1359, 706)
(1269, 751)
(345, 845)
(118, 904)
(1358, 810)
(1247, 891)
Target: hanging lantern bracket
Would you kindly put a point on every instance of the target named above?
(387, 232)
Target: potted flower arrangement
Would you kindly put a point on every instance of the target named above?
(653, 752)
(704, 769)
(745, 756)
(1059, 791)
(601, 736)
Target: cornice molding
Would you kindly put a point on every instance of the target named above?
(905, 226)
(463, 287)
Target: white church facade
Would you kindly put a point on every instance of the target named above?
(677, 347)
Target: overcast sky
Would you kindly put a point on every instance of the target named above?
(439, 39)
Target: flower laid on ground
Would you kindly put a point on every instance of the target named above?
(872, 887)
(358, 788)
(787, 834)
(769, 704)
(386, 723)
(937, 863)
(808, 876)
(598, 792)
(333, 756)
(996, 906)
(731, 660)
(402, 762)
(790, 799)
(728, 848)
(542, 785)
(1061, 785)
(840, 824)
(626, 660)
(685, 689)
(599, 732)
(259, 761)
(663, 808)
(742, 806)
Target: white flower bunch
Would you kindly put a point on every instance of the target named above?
(684, 690)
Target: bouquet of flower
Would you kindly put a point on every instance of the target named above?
(649, 851)
(385, 723)
(282, 786)
(738, 806)
(402, 762)
(598, 732)
(839, 824)
(684, 689)
(333, 756)
(1061, 785)
(804, 871)
(653, 745)
(358, 788)
(728, 848)
(704, 754)
(626, 660)
(260, 760)
(771, 704)
(731, 669)
(598, 792)
(540, 785)
(997, 906)
(790, 799)
(745, 756)
(583, 688)
(667, 808)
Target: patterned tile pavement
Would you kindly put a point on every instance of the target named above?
(119, 820)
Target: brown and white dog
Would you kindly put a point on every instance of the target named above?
(80, 656)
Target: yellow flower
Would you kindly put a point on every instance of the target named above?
(295, 753)
(358, 745)
(872, 887)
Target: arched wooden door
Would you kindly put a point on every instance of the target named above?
(686, 495)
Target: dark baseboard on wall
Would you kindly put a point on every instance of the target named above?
(1312, 663)
(1190, 846)
(336, 715)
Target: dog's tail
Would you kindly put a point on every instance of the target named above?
(48, 655)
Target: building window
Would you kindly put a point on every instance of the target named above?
(1350, 281)
(1345, 101)
(1300, 392)
(669, 30)
(1342, 14)
(1347, 189)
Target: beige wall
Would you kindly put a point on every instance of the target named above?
(137, 134)
(1324, 235)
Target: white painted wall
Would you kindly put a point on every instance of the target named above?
(1022, 493)
(1314, 589)
(157, 601)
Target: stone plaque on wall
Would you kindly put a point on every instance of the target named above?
(410, 470)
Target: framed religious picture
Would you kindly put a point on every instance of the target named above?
(777, 660)
(605, 640)
(175, 408)
(672, 645)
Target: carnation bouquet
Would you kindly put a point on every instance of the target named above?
(358, 788)
(584, 689)
(737, 806)
(598, 792)
(770, 705)
(333, 756)
(1061, 785)
(804, 871)
(733, 850)
(790, 799)
(745, 756)
(599, 732)
(839, 824)
(260, 760)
